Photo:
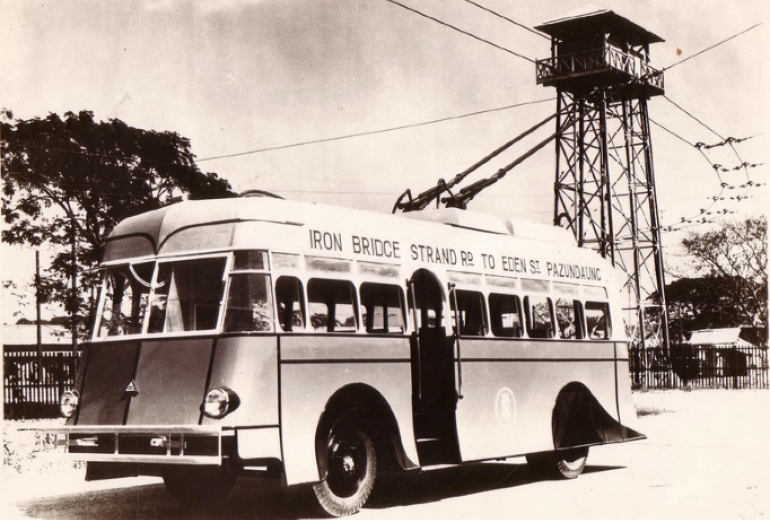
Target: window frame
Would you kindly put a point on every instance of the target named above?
(607, 320)
(578, 322)
(145, 315)
(519, 312)
(355, 305)
(530, 318)
(402, 308)
(455, 294)
(302, 300)
(232, 272)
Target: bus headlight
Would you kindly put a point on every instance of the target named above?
(68, 404)
(219, 402)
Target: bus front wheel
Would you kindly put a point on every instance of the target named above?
(561, 464)
(352, 469)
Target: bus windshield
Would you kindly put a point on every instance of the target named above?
(156, 297)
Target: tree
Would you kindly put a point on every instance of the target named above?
(732, 288)
(703, 303)
(68, 180)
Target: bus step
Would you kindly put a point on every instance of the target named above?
(437, 451)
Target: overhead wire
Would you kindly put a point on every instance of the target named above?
(374, 132)
(718, 169)
(704, 125)
(514, 22)
(450, 26)
(711, 47)
(302, 143)
(724, 141)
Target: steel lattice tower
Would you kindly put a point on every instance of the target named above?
(605, 183)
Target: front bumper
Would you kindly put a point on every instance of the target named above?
(193, 445)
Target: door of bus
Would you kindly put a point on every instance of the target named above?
(434, 395)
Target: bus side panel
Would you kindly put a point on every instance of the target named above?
(170, 382)
(313, 369)
(625, 401)
(247, 365)
(510, 390)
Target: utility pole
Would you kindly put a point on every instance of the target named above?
(74, 288)
(38, 325)
(604, 187)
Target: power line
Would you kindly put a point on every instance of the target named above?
(706, 213)
(671, 132)
(508, 19)
(316, 141)
(707, 127)
(712, 47)
(461, 31)
(701, 146)
(727, 141)
(374, 132)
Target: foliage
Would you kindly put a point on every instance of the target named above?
(732, 288)
(68, 180)
(703, 303)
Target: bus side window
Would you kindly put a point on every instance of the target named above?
(249, 304)
(598, 320)
(568, 319)
(332, 305)
(383, 309)
(472, 315)
(539, 321)
(291, 304)
(504, 315)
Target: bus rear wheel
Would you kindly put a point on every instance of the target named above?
(352, 470)
(567, 464)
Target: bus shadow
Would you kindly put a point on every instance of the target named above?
(266, 499)
(422, 487)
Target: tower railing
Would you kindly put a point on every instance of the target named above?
(607, 58)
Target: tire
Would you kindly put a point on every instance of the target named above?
(352, 471)
(197, 488)
(571, 463)
(565, 464)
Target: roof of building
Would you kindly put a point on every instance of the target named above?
(592, 19)
(729, 336)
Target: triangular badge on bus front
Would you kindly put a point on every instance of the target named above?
(131, 388)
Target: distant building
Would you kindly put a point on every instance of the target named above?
(731, 337)
(24, 333)
(730, 351)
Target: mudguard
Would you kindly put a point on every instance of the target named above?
(579, 420)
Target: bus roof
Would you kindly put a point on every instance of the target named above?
(195, 227)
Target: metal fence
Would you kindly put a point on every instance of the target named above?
(696, 366)
(33, 383)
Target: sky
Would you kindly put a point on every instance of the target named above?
(240, 76)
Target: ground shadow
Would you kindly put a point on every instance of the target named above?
(266, 499)
(422, 487)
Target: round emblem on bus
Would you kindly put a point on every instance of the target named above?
(505, 407)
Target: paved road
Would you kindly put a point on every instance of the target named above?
(707, 457)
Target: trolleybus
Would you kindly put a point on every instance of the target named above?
(260, 337)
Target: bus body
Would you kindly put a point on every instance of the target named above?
(264, 337)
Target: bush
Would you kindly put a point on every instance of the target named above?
(20, 447)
